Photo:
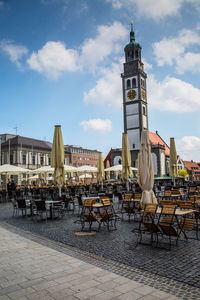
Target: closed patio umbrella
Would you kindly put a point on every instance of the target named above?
(100, 170)
(107, 167)
(173, 160)
(146, 170)
(57, 157)
(126, 160)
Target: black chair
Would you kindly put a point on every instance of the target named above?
(41, 209)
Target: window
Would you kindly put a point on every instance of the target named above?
(24, 159)
(11, 159)
(134, 82)
(41, 160)
(144, 110)
(49, 161)
(133, 146)
(33, 159)
(136, 54)
(128, 84)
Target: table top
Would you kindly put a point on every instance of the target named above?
(97, 205)
(178, 211)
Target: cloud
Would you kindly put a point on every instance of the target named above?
(154, 9)
(1, 4)
(173, 50)
(173, 95)
(108, 89)
(108, 41)
(15, 52)
(53, 59)
(188, 147)
(98, 125)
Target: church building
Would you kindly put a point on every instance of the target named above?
(135, 111)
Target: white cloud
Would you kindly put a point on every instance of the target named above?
(173, 50)
(98, 125)
(15, 52)
(53, 59)
(173, 95)
(108, 89)
(147, 66)
(108, 41)
(151, 8)
(188, 147)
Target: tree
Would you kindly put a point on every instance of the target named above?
(183, 173)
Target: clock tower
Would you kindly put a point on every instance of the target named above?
(134, 95)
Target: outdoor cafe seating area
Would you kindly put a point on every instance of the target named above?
(96, 208)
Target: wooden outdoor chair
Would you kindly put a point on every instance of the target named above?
(168, 225)
(107, 214)
(148, 224)
(88, 215)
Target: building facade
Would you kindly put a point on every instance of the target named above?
(79, 156)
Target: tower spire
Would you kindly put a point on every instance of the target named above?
(132, 33)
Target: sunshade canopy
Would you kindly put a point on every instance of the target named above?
(86, 168)
(12, 170)
(117, 168)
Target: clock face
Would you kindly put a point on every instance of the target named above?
(143, 95)
(131, 94)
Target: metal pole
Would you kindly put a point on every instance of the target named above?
(0, 151)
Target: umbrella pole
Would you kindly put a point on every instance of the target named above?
(59, 188)
(127, 185)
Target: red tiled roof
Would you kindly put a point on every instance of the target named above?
(190, 165)
(155, 139)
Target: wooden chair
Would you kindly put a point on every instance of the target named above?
(166, 202)
(167, 194)
(128, 206)
(107, 214)
(41, 209)
(88, 215)
(148, 224)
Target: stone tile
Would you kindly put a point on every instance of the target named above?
(85, 285)
(129, 296)
(129, 286)
(144, 290)
(107, 295)
(160, 294)
(88, 294)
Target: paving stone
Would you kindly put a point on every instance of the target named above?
(129, 296)
(88, 294)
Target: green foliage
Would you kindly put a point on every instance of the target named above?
(182, 173)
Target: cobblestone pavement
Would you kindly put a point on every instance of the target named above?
(30, 270)
(176, 271)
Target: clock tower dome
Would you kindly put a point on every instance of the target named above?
(134, 95)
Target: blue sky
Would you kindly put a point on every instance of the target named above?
(61, 60)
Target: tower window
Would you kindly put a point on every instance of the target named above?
(136, 54)
(132, 54)
(133, 146)
(128, 84)
(134, 82)
(144, 111)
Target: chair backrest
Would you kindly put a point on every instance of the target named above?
(128, 197)
(137, 195)
(150, 208)
(106, 201)
(185, 204)
(40, 205)
(192, 189)
(175, 192)
(21, 203)
(166, 202)
(89, 202)
(167, 193)
(168, 210)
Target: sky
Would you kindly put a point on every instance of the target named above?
(61, 63)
